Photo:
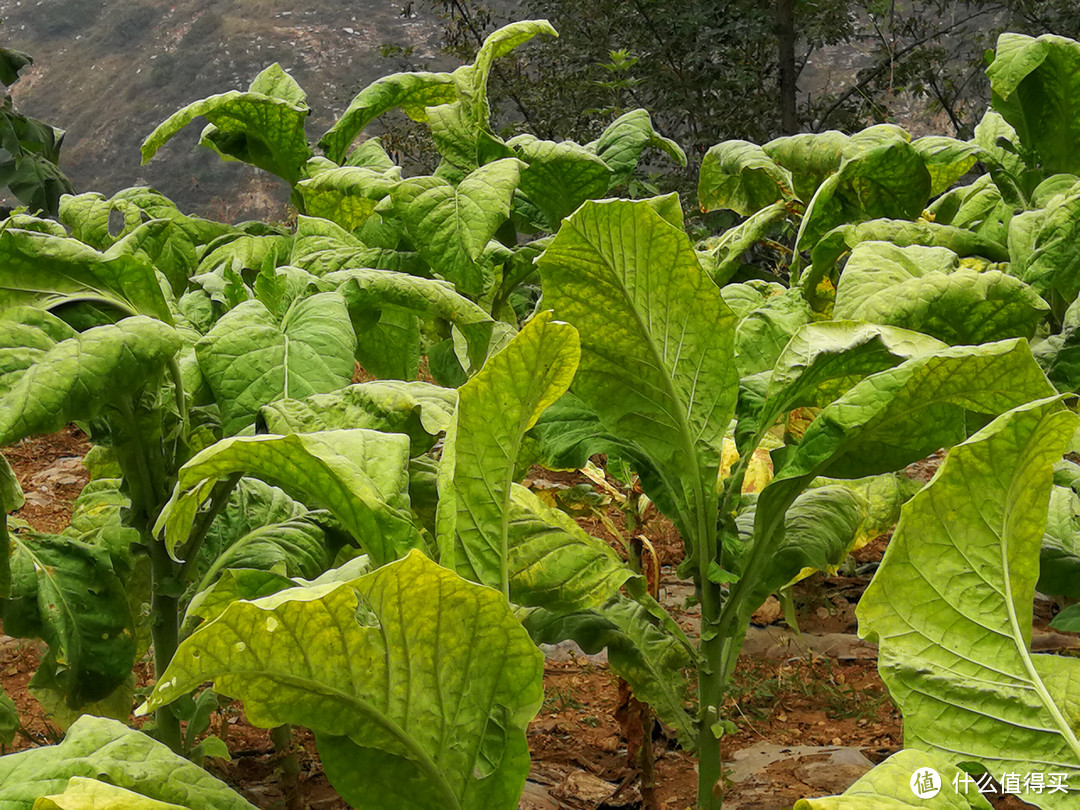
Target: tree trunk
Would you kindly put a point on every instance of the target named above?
(785, 36)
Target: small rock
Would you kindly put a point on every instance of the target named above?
(768, 613)
(536, 797)
(579, 786)
(570, 651)
(750, 761)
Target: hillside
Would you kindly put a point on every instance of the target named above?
(109, 71)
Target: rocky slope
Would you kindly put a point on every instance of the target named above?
(108, 71)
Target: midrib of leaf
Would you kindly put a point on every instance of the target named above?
(74, 298)
(668, 388)
(508, 480)
(1021, 648)
(285, 348)
(285, 363)
(41, 567)
(364, 708)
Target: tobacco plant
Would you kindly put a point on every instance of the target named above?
(460, 224)
(409, 726)
(982, 262)
(658, 384)
(248, 492)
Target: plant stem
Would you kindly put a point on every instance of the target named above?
(219, 497)
(768, 529)
(710, 682)
(281, 737)
(147, 497)
(711, 685)
(165, 632)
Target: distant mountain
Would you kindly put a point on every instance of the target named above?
(109, 71)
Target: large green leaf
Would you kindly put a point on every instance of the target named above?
(370, 293)
(823, 360)
(951, 605)
(642, 654)
(417, 683)
(96, 517)
(495, 409)
(87, 216)
(9, 719)
(1049, 261)
(740, 176)
(560, 176)
(552, 562)
(361, 476)
(902, 414)
(890, 180)
(810, 157)
(11, 62)
(33, 177)
(889, 786)
(925, 290)
(620, 145)
(164, 244)
(68, 593)
(321, 247)
(1000, 153)
(458, 137)
(264, 529)
(346, 195)
(82, 793)
(1059, 557)
(412, 92)
(100, 749)
(249, 359)
(78, 377)
(451, 226)
(245, 252)
(263, 126)
(821, 526)
(11, 499)
(43, 270)
(569, 432)
(844, 238)
(140, 203)
(1059, 355)
(279, 287)
(471, 80)
(420, 410)
(880, 424)
(979, 208)
(947, 160)
(1037, 90)
(722, 256)
(765, 330)
(657, 339)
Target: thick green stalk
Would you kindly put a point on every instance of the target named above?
(721, 634)
(768, 530)
(165, 632)
(710, 683)
(143, 479)
(219, 498)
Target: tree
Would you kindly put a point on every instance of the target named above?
(712, 70)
